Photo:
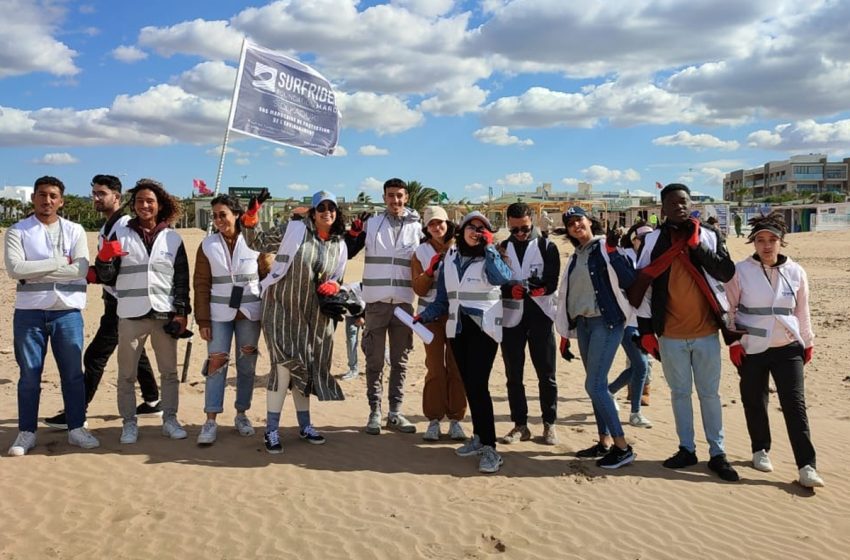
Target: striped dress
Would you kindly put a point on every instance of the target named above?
(298, 336)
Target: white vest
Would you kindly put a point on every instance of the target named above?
(102, 235)
(386, 273)
(33, 294)
(425, 252)
(473, 291)
(532, 262)
(761, 307)
(239, 269)
(145, 281)
(293, 238)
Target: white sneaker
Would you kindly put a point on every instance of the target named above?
(638, 420)
(761, 461)
(349, 375)
(172, 428)
(207, 435)
(456, 431)
(23, 443)
(243, 425)
(810, 478)
(130, 432)
(81, 437)
(433, 431)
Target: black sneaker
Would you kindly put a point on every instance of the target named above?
(273, 444)
(147, 409)
(683, 458)
(598, 450)
(617, 457)
(59, 422)
(310, 435)
(724, 470)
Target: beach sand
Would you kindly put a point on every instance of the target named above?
(396, 497)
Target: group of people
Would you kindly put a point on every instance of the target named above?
(663, 292)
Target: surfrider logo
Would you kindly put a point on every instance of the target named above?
(264, 77)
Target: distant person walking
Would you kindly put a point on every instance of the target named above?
(738, 225)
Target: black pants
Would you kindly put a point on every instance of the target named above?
(536, 329)
(786, 365)
(475, 352)
(101, 348)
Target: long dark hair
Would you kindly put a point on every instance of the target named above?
(233, 204)
(451, 228)
(465, 249)
(170, 208)
(338, 227)
(595, 228)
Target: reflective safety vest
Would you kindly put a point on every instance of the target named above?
(228, 271)
(122, 221)
(532, 265)
(386, 272)
(146, 282)
(473, 291)
(34, 294)
(762, 306)
(425, 252)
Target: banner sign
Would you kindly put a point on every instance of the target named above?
(282, 100)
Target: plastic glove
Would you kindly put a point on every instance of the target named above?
(256, 201)
(537, 292)
(486, 237)
(110, 250)
(564, 349)
(91, 276)
(356, 227)
(612, 240)
(693, 240)
(649, 344)
(434, 264)
(328, 288)
(517, 291)
(737, 354)
(807, 354)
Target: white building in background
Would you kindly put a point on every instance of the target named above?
(24, 194)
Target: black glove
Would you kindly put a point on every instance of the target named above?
(612, 238)
(535, 281)
(173, 329)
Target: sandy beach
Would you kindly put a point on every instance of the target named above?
(396, 497)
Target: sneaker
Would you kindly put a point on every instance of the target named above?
(172, 428)
(243, 425)
(130, 432)
(490, 461)
(517, 433)
(23, 443)
(456, 431)
(350, 374)
(311, 435)
(638, 420)
(373, 425)
(550, 435)
(471, 447)
(724, 470)
(683, 458)
(149, 409)
(272, 440)
(596, 450)
(399, 423)
(208, 432)
(433, 431)
(810, 478)
(58, 422)
(81, 437)
(617, 457)
(761, 461)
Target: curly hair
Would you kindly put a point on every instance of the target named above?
(170, 208)
(773, 222)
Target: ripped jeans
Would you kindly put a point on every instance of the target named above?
(247, 335)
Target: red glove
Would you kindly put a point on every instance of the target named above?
(328, 288)
(564, 349)
(737, 354)
(487, 237)
(611, 241)
(649, 344)
(541, 291)
(693, 240)
(356, 227)
(250, 218)
(91, 276)
(807, 354)
(433, 265)
(517, 291)
(110, 250)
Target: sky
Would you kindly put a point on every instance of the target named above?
(461, 96)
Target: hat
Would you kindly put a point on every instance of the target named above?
(575, 212)
(772, 228)
(476, 215)
(434, 213)
(322, 196)
(642, 230)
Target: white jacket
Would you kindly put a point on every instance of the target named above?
(386, 272)
(473, 291)
(227, 271)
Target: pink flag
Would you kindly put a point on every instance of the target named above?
(658, 185)
(201, 185)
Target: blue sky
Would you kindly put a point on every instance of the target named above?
(458, 95)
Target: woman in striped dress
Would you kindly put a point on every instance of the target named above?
(309, 263)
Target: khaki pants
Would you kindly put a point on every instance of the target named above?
(132, 334)
(381, 324)
(443, 393)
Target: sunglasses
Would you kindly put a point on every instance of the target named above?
(477, 229)
(522, 229)
(323, 207)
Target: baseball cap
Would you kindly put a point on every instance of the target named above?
(322, 196)
(575, 212)
(473, 216)
(434, 213)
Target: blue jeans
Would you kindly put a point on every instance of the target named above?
(247, 334)
(634, 375)
(352, 333)
(693, 362)
(597, 344)
(32, 329)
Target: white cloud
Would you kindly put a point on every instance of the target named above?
(456, 101)
(242, 161)
(385, 114)
(371, 150)
(128, 54)
(521, 178)
(29, 45)
(215, 40)
(696, 141)
(570, 181)
(60, 158)
(212, 79)
(473, 187)
(371, 184)
(298, 187)
(279, 152)
(599, 174)
(428, 8)
(340, 151)
(806, 135)
(500, 136)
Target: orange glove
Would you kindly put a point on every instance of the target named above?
(807, 354)
(649, 344)
(433, 265)
(110, 250)
(251, 216)
(737, 354)
(328, 288)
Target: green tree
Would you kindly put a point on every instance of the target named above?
(740, 193)
(363, 198)
(420, 196)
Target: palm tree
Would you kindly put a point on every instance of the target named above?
(363, 198)
(420, 196)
